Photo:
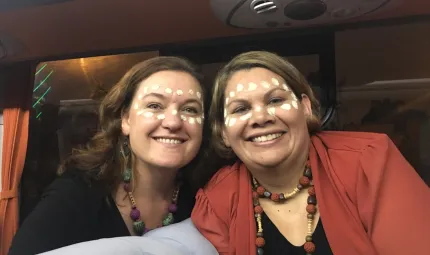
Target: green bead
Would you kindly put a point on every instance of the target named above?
(168, 219)
(127, 175)
(138, 227)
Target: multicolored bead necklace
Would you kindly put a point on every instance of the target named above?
(260, 192)
(138, 225)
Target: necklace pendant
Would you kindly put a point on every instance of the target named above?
(139, 227)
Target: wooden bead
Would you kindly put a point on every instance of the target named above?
(258, 209)
(275, 197)
(304, 181)
(311, 209)
(261, 190)
(311, 191)
(260, 242)
(255, 195)
(309, 247)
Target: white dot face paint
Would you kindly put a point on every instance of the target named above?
(265, 84)
(199, 95)
(140, 112)
(258, 109)
(161, 116)
(285, 87)
(271, 111)
(232, 122)
(145, 90)
(168, 90)
(140, 96)
(226, 100)
(232, 93)
(252, 86)
(286, 107)
(294, 104)
(155, 87)
(136, 105)
(174, 112)
(246, 116)
(148, 114)
(179, 92)
(275, 81)
(239, 87)
(183, 118)
(191, 92)
(191, 120)
(199, 120)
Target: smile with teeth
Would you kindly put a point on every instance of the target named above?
(168, 140)
(266, 138)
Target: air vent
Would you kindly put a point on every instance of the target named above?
(263, 6)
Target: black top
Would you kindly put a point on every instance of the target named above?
(277, 244)
(71, 211)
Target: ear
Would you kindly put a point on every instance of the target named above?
(224, 138)
(307, 106)
(125, 124)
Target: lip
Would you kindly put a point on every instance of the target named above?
(250, 137)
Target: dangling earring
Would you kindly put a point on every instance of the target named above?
(125, 149)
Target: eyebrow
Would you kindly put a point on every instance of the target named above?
(163, 97)
(237, 100)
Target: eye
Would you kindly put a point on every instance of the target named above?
(154, 106)
(276, 100)
(192, 110)
(240, 109)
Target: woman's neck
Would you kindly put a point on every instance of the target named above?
(153, 184)
(283, 178)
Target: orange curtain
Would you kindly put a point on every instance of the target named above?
(17, 84)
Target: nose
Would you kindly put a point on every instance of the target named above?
(261, 117)
(172, 121)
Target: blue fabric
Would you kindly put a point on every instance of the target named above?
(177, 239)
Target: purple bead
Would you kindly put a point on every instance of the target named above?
(127, 187)
(146, 230)
(173, 208)
(135, 214)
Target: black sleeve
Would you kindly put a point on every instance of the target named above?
(63, 216)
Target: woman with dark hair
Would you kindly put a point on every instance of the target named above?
(134, 175)
(295, 189)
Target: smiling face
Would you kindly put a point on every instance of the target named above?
(265, 123)
(165, 120)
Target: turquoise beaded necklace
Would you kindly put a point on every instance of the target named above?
(138, 225)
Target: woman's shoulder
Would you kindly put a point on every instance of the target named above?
(351, 141)
(224, 177)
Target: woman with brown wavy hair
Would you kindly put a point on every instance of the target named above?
(134, 174)
(295, 189)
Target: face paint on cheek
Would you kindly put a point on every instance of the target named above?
(271, 111)
(183, 118)
(286, 107)
(231, 122)
(161, 116)
(148, 114)
(191, 120)
(295, 105)
(199, 120)
(246, 116)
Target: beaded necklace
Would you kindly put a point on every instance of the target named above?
(259, 192)
(138, 225)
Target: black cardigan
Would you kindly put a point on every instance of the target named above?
(71, 211)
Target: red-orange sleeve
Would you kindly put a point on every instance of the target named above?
(210, 224)
(393, 201)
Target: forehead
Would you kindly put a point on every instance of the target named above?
(174, 80)
(253, 75)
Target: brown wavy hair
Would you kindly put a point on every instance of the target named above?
(246, 61)
(101, 159)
